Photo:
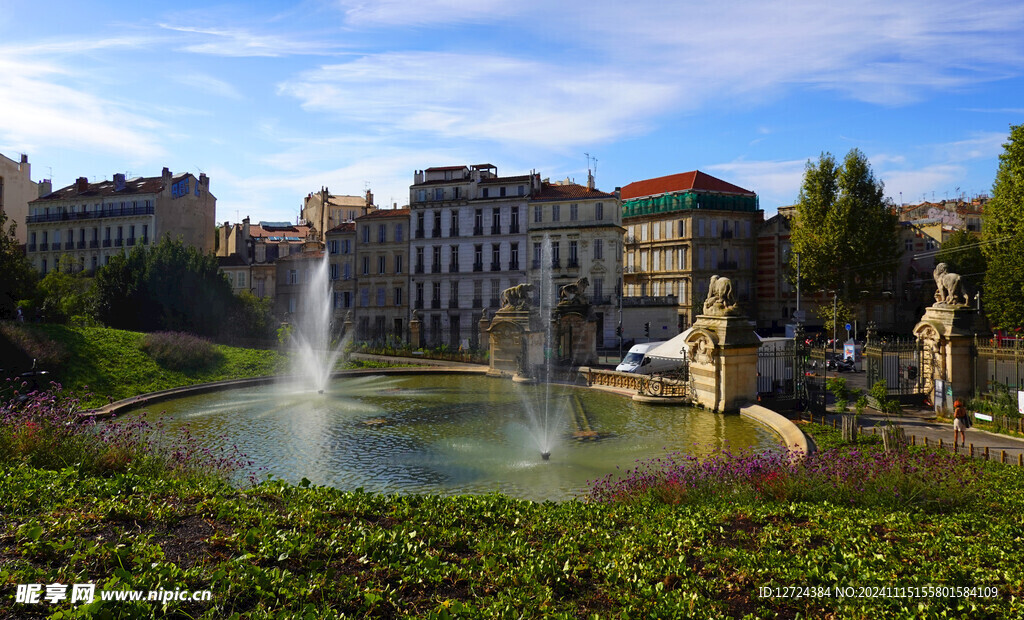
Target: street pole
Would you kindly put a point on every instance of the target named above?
(622, 285)
(835, 300)
(798, 284)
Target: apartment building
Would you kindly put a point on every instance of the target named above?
(341, 250)
(575, 231)
(16, 190)
(88, 223)
(324, 210)
(381, 275)
(680, 230)
(469, 243)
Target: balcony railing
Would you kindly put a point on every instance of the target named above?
(81, 245)
(44, 247)
(629, 240)
(453, 303)
(495, 266)
(435, 233)
(419, 269)
(556, 263)
(31, 247)
(435, 268)
(84, 215)
(144, 240)
(494, 302)
(435, 303)
(478, 230)
(95, 243)
(535, 264)
(726, 234)
(478, 303)
(601, 300)
(727, 264)
(419, 234)
(419, 304)
(495, 230)
(118, 242)
(478, 266)
(69, 245)
(513, 229)
(573, 264)
(453, 232)
(131, 240)
(453, 268)
(513, 265)
(663, 300)
(106, 243)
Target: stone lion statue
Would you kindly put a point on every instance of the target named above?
(949, 291)
(516, 297)
(720, 300)
(572, 294)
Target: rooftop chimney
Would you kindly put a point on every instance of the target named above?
(82, 185)
(45, 187)
(24, 158)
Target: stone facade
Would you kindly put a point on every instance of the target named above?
(16, 190)
(382, 275)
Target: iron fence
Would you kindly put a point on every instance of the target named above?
(900, 362)
(998, 366)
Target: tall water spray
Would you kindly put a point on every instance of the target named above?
(313, 357)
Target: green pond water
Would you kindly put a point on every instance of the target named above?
(451, 433)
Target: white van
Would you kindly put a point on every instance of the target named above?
(636, 360)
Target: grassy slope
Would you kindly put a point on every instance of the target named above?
(109, 363)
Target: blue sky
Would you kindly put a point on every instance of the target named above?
(274, 100)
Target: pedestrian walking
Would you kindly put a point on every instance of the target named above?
(960, 422)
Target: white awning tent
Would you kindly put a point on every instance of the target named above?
(674, 349)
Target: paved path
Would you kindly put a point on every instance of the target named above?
(922, 424)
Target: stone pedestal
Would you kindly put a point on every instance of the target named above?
(516, 349)
(483, 338)
(575, 335)
(723, 362)
(946, 334)
(414, 331)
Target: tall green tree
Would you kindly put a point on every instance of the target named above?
(844, 230)
(961, 251)
(17, 277)
(1004, 233)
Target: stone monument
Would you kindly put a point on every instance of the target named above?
(516, 342)
(722, 349)
(575, 327)
(946, 333)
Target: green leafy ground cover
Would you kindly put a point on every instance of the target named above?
(278, 550)
(104, 364)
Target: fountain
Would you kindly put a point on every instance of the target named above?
(312, 357)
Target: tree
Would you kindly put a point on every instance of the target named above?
(170, 286)
(18, 281)
(844, 230)
(1003, 233)
(962, 254)
(62, 295)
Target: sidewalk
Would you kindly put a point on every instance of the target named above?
(921, 424)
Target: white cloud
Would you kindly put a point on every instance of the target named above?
(981, 145)
(240, 43)
(207, 83)
(482, 97)
(39, 110)
(777, 183)
(922, 182)
(428, 12)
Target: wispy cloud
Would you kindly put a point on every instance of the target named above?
(776, 182)
(39, 110)
(980, 146)
(208, 84)
(482, 97)
(920, 183)
(237, 42)
(429, 12)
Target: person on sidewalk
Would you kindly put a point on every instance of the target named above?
(959, 422)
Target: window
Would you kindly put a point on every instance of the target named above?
(599, 211)
(496, 221)
(598, 289)
(453, 294)
(700, 258)
(714, 228)
(346, 271)
(536, 254)
(381, 301)
(700, 227)
(419, 224)
(538, 214)
(478, 257)
(436, 292)
(555, 253)
(483, 193)
(366, 234)
(453, 258)
(574, 212)
(382, 264)
(332, 247)
(398, 263)
(334, 271)
(453, 217)
(293, 276)
(346, 246)
(419, 260)
(398, 296)
(513, 259)
(366, 265)
(501, 192)
(439, 193)
(495, 257)
(598, 249)
(574, 259)
(382, 233)
(435, 266)
(241, 275)
(421, 195)
(364, 297)
(513, 226)
(682, 228)
(521, 190)
(556, 213)
(399, 233)
(419, 293)
(437, 224)
(478, 222)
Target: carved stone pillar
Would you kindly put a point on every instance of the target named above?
(723, 362)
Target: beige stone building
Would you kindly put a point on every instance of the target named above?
(16, 190)
(680, 230)
(341, 249)
(340, 209)
(382, 275)
(584, 229)
(88, 223)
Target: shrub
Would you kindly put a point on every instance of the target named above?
(181, 352)
(32, 344)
